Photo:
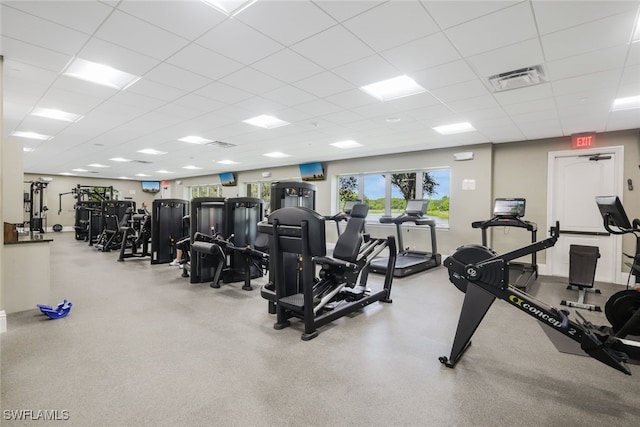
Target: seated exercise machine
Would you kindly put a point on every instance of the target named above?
(622, 308)
(483, 276)
(298, 246)
(508, 212)
(582, 273)
(135, 235)
(409, 261)
(344, 214)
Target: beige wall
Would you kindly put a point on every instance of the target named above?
(520, 170)
(2, 314)
(12, 171)
(64, 184)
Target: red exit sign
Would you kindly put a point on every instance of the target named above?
(583, 140)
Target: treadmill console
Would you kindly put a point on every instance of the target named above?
(513, 208)
(416, 207)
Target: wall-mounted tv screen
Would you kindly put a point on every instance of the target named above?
(312, 171)
(151, 186)
(227, 179)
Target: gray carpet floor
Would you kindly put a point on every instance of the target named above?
(144, 347)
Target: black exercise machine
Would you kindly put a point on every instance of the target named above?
(410, 261)
(167, 228)
(87, 207)
(341, 286)
(344, 214)
(113, 217)
(135, 235)
(582, 274)
(36, 207)
(508, 212)
(483, 276)
(292, 193)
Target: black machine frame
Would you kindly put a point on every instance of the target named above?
(167, 227)
(483, 276)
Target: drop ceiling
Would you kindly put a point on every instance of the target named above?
(203, 73)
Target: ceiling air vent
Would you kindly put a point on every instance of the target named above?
(518, 78)
(144, 162)
(220, 144)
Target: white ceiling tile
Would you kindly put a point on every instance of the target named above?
(84, 87)
(342, 117)
(542, 129)
(412, 102)
(509, 58)
(200, 102)
(435, 115)
(136, 100)
(332, 48)
(468, 89)
(72, 101)
(351, 99)
(530, 106)
(257, 106)
(204, 62)
(289, 95)
(599, 100)
(573, 124)
(587, 63)
(188, 19)
(342, 10)
(118, 57)
(39, 32)
(634, 54)
(553, 16)
(523, 120)
(603, 79)
(450, 13)
(631, 77)
(425, 52)
(392, 24)
(626, 119)
(223, 93)
(444, 75)
(524, 94)
(83, 16)
(252, 81)
(319, 107)
(287, 65)
(239, 42)
(156, 90)
(506, 133)
(132, 33)
(475, 103)
(502, 28)
(287, 22)
(33, 55)
(367, 70)
(600, 34)
(179, 112)
(324, 84)
(173, 76)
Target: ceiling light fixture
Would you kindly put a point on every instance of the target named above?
(191, 167)
(142, 174)
(265, 121)
(80, 170)
(100, 74)
(194, 139)
(229, 7)
(227, 162)
(151, 151)
(627, 103)
(164, 171)
(98, 165)
(123, 177)
(397, 87)
(454, 128)
(347, 144)
(52, 113)
(28, 149)
(119, 159)
(31, 135)
(277, 155)
(68, 174)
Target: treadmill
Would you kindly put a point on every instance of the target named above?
(410, 262)
(507, 212)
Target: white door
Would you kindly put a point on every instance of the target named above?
(575, 179)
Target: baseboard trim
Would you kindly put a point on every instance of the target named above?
(3, 321)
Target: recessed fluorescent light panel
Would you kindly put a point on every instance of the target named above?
(164, 171)
(31, 135)
(454, 128)
(28, 150)
(636, 33)
(98, 165)
(193, 139)
(191, 167)
(628, 103)
(80, 170)
(123, 177)
(230, 7)
(119, 159)
(227, 162)
(142, 174)
(68, 174)
(347, 144)
(397, 87)
(266, 122)
(52, 113)
(100, 74)
(152, 151)
(277, 155)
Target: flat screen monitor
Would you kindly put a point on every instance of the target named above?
(312, 171)
(506, 207)
(416, 207)
(611, 208)
(227, 179)
(151, 186)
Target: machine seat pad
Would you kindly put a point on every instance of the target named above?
(334, 262)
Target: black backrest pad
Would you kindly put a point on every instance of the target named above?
(348, 244)
(359, 211)
(290, 229)
(582, 265)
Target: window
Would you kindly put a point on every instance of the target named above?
(260, 190)
(387, 193)
(214, 190)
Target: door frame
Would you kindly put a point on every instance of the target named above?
(618, 171)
